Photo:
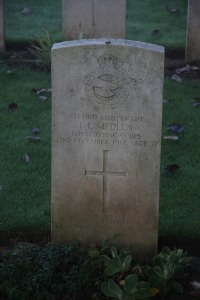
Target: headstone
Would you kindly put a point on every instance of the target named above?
(107, 105)
(193, 31)
(94, 19)
(2, 46)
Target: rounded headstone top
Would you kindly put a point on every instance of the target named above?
(108, 42)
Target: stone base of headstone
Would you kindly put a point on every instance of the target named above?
(84, 19)
(193, 31)
(107, 111)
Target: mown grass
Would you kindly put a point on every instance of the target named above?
(23, 28)
(179, 205)
(25, 187)
(143, 17)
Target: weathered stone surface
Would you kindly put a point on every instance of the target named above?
(193, 31)
(107, 106)
(2, 43)
(94, 19)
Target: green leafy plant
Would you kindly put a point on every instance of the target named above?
(41, 51)
(117, 263)
(75, 272)
(124, 285)
(160, 277)
(81, 35)
(44, 272)
(131, 289)
(167, 267)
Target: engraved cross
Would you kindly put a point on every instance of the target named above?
(105, 173)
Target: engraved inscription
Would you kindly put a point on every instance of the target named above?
(106, 224)
(105, 173)
(107, 85)
(100, 129)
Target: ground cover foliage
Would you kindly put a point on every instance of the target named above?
(74, 272)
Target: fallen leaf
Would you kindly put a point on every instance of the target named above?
(176, 77)
(33, 138)
(183, 69)
(14, 56)
(41, 91)
(36, 130)
(12, 106)
(155, 32)
(176, 127)
(195, 68)
(153, 291)
(34, 90)
(165, 101)
(187, 72)
(27, 158)
(171, 137)
(171, 169)
(10, 72)
(196, 101)
(26, 11)
(173, 10)
(122, 282)
(195, 284)
(42, 98)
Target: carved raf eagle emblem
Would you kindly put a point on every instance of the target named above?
(107, 85)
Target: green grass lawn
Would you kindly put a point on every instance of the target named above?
(179, 194)
(20, 28)
(25, 187)
(143, 17)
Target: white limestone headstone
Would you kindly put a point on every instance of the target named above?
(2, 42)
(93, 19)
(193, 31)
(107, 108)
